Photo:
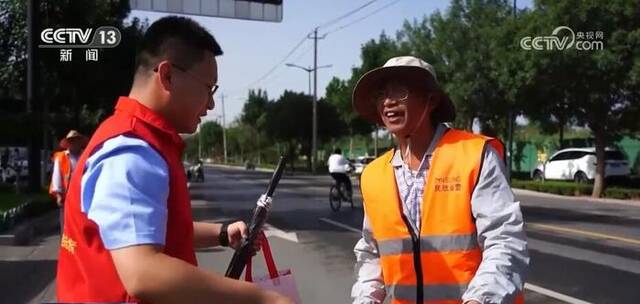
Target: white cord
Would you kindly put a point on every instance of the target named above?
(264, 202)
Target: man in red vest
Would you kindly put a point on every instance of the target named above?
(129, 235)
(63, 164)
(441, 224)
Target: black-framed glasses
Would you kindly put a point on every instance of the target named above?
(212, 89)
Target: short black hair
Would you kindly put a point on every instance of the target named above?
(179, 39)
(337, 151)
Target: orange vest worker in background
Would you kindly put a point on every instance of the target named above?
(63, 164)
(441, 225)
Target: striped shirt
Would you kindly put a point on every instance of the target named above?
(411, 183)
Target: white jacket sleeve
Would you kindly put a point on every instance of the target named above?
(369, 286)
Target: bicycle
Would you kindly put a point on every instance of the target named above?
(337, 195)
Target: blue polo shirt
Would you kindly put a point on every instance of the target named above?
(125, 187)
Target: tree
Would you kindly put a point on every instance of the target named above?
(255, 107)
(600, 87)
(469, 47)
(288, 122)
(374, 54)
(338, 94)
(211, 135)
(254, 117)
(75, 94)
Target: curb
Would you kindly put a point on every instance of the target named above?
(238, 167)
(27, 231)
(578, 198)
(258, 169)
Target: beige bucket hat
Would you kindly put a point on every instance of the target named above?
(73, 134)
(404, 67)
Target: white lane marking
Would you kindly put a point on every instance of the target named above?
(269, 230)
(585, 233)
(328, 221)
(553, 294)
(534, 288)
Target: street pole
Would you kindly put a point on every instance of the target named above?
(199, 141)
(314, 137)
(375, 143)
(33, 8)
(315, 95)
(224, 132)
(308, 70)
(309, 74)
(511, 118)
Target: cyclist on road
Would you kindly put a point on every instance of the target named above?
(338, 168)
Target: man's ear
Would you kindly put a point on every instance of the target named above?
(433, 101)
(165, 74)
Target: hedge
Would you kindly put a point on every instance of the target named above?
(574, 189)
(33, 205)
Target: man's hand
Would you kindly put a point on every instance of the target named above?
(151, 276)
(59, 199)
(237, 232)
(272, 297)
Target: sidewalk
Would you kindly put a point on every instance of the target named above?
(27, 273)
(634, 203)
(287, 170)
(28, 259)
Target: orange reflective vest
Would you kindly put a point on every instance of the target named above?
(64, 163)
(437, 265)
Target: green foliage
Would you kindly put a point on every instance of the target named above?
(255, 108)
(289, 121)
(554, 187)
(597, 89)
(622, 193)
(475, 48)
(14, 208)
(211, 135)
(574, 189)
(78, 93)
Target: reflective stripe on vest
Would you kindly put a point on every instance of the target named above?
(443, 243)
(441, 292)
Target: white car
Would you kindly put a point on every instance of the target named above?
(579, 164)
(361, 162)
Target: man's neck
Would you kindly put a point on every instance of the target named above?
(146, 93)
(72, 154)
(417, 144)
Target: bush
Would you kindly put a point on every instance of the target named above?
(622, 193)
(34, 206)
(555, 187)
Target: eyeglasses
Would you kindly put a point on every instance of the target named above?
(397, 92)
(212, 89)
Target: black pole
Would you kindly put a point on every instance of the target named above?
(239, 259)
(33, 109)
(511, 115)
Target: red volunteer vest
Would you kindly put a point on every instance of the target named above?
(86, 272)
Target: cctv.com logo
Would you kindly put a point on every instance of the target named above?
(564, 38)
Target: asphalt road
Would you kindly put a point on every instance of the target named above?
(581, 251)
